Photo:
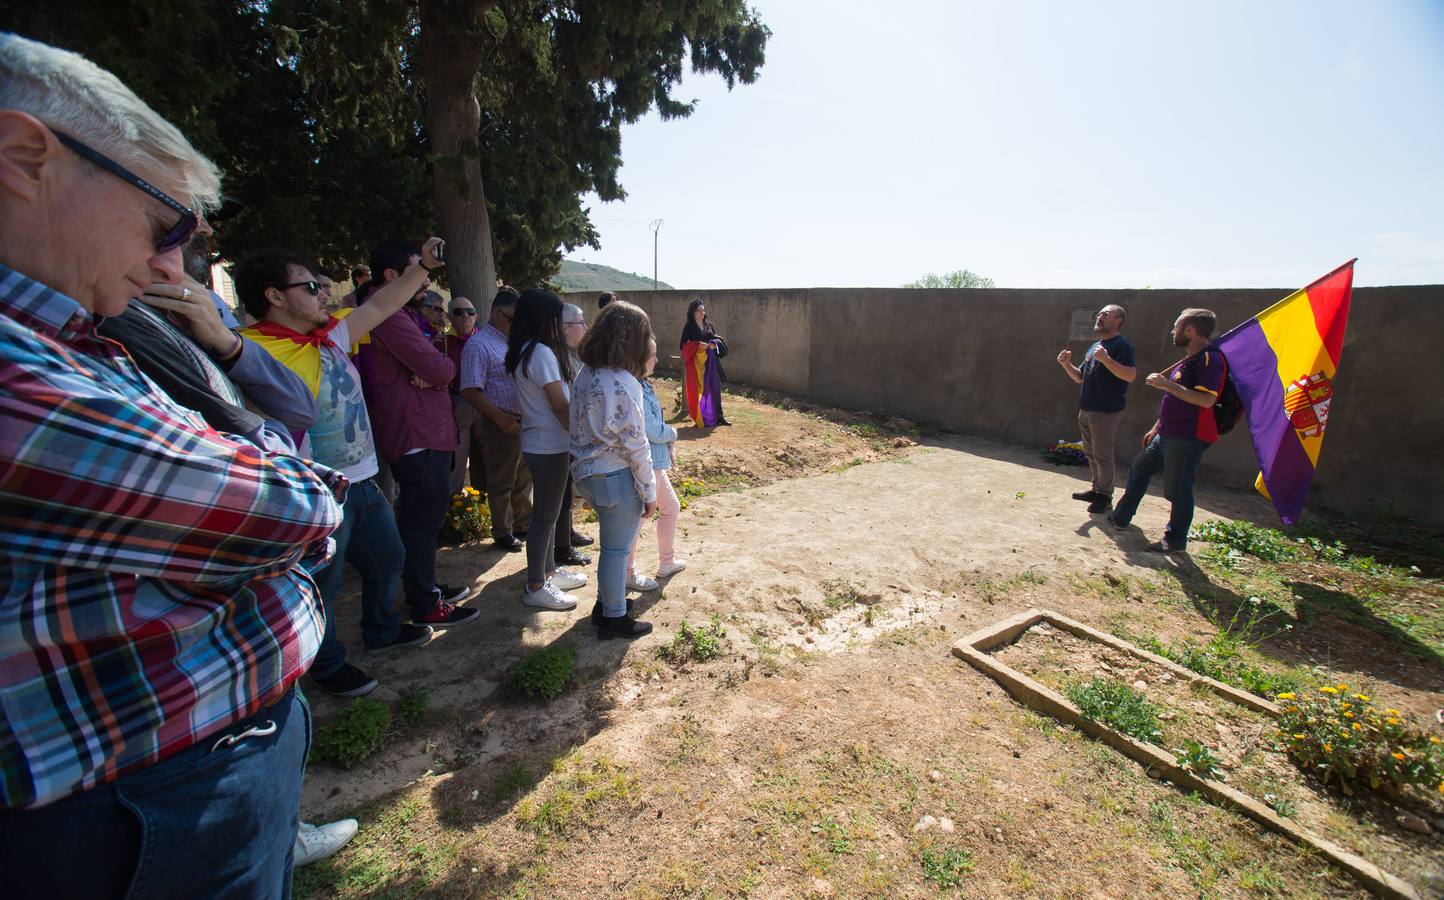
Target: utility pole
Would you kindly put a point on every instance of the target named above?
(656, 227)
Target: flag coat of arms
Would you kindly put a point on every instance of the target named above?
(1282, 363)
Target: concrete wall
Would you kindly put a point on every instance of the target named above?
(982, 362)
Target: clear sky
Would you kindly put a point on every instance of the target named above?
(1052, 144)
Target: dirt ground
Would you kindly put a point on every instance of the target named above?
(841, 556)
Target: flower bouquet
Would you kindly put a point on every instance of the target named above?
(467, 519)
(1066, 454)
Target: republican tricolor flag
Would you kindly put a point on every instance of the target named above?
(1282, 363)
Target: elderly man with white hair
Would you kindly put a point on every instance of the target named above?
(156, 603)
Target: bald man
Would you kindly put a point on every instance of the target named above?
(1106, 372)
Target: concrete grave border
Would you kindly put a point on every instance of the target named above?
(972, 649)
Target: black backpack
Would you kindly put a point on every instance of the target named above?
(1228, 408)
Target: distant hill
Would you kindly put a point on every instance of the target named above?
(580, 276)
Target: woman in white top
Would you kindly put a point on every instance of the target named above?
(537, 359)
(612, 460)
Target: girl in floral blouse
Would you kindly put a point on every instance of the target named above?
(661, 437)
(611, 458)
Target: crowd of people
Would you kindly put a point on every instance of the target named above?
(184, 492)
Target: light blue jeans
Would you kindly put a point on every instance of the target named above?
(619, 512)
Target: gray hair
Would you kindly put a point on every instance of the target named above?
(571, 309)
(73, 95)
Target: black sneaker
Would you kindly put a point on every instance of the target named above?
(597, 611)
(451, 594)
(347, 681)
(408, 636)
(446, 615)
(1161, 547)
(1113, 520)
(1090, 496)
(509, 543)
(1100, 506)
(581, 540)
(622, 627)
(572, 557)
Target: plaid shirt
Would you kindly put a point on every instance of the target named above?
(482, 366)
(150, 593)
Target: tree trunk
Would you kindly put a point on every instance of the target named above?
(450, 63)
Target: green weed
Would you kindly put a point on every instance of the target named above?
(356, 733)
(695, 644)
(1118, 706)
(544, 674)
(946, 868)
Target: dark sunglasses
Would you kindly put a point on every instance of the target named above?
(178, 233)
(313, 288)
(463, 312)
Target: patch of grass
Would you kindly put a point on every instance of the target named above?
(579, 793)
(516, 780)
(387, 858)
(411, 709)
(1247, 538)
(358, 731)
(695, 644)
(1118, 706)
(544, 674)
(946, 868)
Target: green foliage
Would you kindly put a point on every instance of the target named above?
(690, 489)
(411, 709)
(695, 644)
(1118, 706)
(544, 674)
(580, 276)
(1198, 759)
(946, 868)
(517, 779)
(356, 733)
(1245, 537)
(1345, 738)
(578, 794)
(960, 278)
(1222, 659)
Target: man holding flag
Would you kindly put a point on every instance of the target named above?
(1184, 430)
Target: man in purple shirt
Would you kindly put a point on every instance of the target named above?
(1184, 430)
(486, 385)
(406, 394)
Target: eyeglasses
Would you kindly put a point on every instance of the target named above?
(313, 288)
(463, 312)
(178, 233)
(583, 323)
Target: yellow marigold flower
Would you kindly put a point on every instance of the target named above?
(1396, 722)
(1299, 736)
(1362, 697)
(1358, 727)
(1343, 687)
(1434, 740)
(1293, 709)
(1348, 715)
(1392, 711)
(1328, 748)
(1286, 696)
(1329, 690)
(1399, 757)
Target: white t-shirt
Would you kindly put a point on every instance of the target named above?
(540, 430)
(341, 437)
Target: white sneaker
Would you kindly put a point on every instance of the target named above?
(639, 582)
(673, 568)
(549, 596)
(315, 842)
(568, 580)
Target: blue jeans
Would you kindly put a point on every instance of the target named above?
(368, 540)
(211, 821)
(1177, 458)
(619, 512)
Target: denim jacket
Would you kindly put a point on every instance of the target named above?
(659, 434)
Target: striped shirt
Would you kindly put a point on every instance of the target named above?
(483, 366)
(153, 589)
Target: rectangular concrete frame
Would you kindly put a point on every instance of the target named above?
(973, 649)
